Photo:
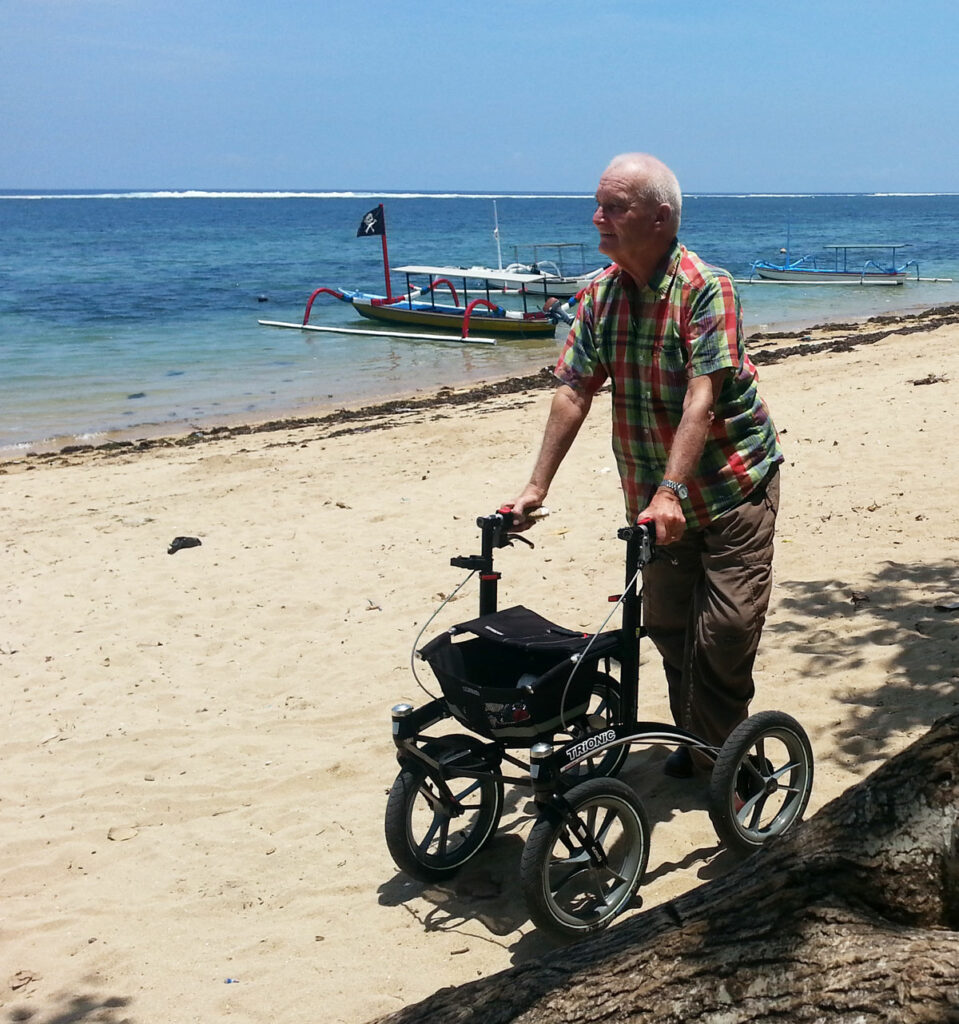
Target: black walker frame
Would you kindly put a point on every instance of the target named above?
(587, 852)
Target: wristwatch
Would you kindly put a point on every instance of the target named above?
(679, 490)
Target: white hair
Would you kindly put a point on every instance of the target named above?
(653, 182)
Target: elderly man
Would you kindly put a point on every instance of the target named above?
(696, 449)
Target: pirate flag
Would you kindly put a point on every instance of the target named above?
(373, 223)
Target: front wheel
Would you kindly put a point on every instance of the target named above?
(582, 867)
(430, 836)
(761, 781)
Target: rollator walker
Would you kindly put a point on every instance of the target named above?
(554, 710)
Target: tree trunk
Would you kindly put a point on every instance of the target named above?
(849, 920)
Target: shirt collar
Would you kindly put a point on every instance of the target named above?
(666, 269)
(661, 277)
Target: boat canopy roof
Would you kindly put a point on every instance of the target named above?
(474, 274)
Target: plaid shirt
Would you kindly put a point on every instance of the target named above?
(649, 342)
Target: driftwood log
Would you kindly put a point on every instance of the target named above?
(852, 919)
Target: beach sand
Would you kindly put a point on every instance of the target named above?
(197, 746)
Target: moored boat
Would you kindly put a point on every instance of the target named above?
(562, 264)
(468, 309)
(843, 266)
(418, 306)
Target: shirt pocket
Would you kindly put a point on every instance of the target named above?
(665, 377)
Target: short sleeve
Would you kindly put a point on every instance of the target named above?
(713, 327)
(580, 365)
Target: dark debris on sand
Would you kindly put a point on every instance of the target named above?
(340, 422)
(927, 320)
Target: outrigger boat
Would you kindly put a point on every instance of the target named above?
(841, 268)
(418, 306)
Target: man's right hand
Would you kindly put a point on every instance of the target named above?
(530, 500)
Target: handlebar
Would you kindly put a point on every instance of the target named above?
(644, 526)
(495, 533)
(643, 534)
(495, 528)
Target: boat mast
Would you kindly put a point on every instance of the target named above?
(386, 256)
(499, 251)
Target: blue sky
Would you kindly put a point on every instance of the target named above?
(813, 95)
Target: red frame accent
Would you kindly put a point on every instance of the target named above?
(469, 310)
(449, 284)
(319, 291)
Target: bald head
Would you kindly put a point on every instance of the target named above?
(638, 206)
(651, 181)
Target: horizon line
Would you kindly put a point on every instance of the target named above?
(39, 194)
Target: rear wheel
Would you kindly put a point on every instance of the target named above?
(761, 781)
(430, 836)
(604, 711)
(582, 869)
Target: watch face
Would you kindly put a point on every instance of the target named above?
(682, 491)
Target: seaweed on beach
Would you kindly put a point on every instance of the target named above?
(385, 415)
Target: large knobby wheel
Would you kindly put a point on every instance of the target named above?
(761, 781)
(430, 837)
(603, 712)
(581, 869)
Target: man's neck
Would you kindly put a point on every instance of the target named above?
(641, 268)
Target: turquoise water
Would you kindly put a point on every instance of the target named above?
(137, 313)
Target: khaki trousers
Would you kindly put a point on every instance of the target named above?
(705, 613)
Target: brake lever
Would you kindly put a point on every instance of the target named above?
(518, 536)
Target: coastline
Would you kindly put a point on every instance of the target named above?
(126, 346)
(765, 347)
(201, 741)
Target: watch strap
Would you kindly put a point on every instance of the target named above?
(678, 489)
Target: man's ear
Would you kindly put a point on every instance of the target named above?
(664, 214)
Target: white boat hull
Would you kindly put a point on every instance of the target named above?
(828, 276)
(551, 285)
(563, 287)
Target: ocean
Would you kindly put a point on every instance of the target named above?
(136, 313)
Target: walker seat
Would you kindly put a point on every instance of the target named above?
(518, 676)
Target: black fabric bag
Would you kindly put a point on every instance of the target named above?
(518, 676)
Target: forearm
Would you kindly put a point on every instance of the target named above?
(688, 443)
(665, 508)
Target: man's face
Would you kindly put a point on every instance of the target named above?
(626, 224)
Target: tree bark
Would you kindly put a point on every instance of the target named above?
(851, 919)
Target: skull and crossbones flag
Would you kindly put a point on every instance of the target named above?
(373, 223)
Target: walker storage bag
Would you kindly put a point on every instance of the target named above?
(515, 675)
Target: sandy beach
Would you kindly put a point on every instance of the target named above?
(197, 746)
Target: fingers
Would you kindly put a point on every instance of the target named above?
(669, 534)
(670, 526)
(527, 511)
(522, 517)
